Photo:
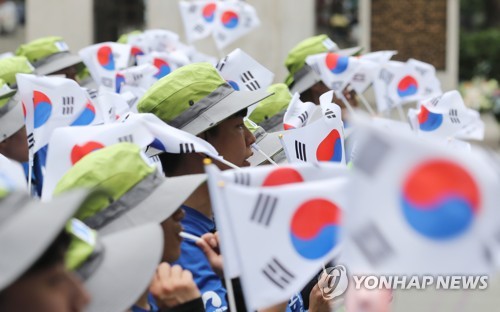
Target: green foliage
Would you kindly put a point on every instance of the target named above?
(480, 54)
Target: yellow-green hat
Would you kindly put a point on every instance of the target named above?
(124, 37)
(11, 112)
(10, 66)
(49, 55)
(301, 77)
(268, 143)
(195, 98)
(135, 192)
(269, 112)
(115, 268)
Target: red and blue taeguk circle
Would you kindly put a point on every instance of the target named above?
(208, 12)
(281, 176)
(80, 151)
(440, 199)
(86, 117)
(163, 68)
(105, 57)
(43, 108)
(230, 19)
(407, 86)
(429, 121)
(337, 64)
(330, 149)
(119, 81)
(315, 226)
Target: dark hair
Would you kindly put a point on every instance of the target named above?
(53, 255)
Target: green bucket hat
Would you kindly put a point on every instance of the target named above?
(28, 227)
(136, 192)
(300, 75)
(269, 113)
(11, 112)
(116, 268)
(124, 37)
(49, 55)
(195, 98)
(11, 66)
(268, 143)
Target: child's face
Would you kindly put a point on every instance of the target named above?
(53, 289)
(233, 141)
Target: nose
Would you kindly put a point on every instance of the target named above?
(80, 297)
(249, 137)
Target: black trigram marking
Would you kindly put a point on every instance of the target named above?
(199, 28)
(434, 102)
(421, 70)
(68, 103)
(187, 148)
(278, 274)
(303, 117)
(31, 141)
(386, 76)
(127, 138)
(249, 80)
(330, 114)
(193, 9)
(373, 245)
(137, 77)
(221, 64)
(242, 178)
(371, 154)
(221, 36)
(454, 116)
(93, 93)
(132, 101)
(264, 209)
(300, 151)
(247, 21)
(359, 77)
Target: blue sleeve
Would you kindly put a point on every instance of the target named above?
(212, 291)
(296, 304)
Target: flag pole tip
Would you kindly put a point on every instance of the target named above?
(207, 161)
(220, 183)
(280, 135)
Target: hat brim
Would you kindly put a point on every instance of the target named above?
(159, 205)
(65, 60)
(129, 262)
(26, 236)
(270, 144)
(228, 106)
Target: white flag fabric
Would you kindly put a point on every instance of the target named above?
(139, 43)
(298, 113)
(447, 116)
(335, 70)
(261, 176)
(369, 68)
(50, 103)
(69, 145)
(399, 83)
(322, 140)
(233, 19)
(162, 40)
(12, 175)
(421, 208)
(243, 72)
(165, 63)
(198, 18)
(142, 76)
(284, 235)
(104, 60)
(113, 106)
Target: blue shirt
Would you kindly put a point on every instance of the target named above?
(193, 259)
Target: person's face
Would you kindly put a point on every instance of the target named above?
(172, 240)
(69, 72)
(16, 146)
(49, 290)
(233, 141)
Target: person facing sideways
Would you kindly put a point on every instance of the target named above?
(13, 138)
(196, 99)
(137, 193)
(303, 79)
(51, 56)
